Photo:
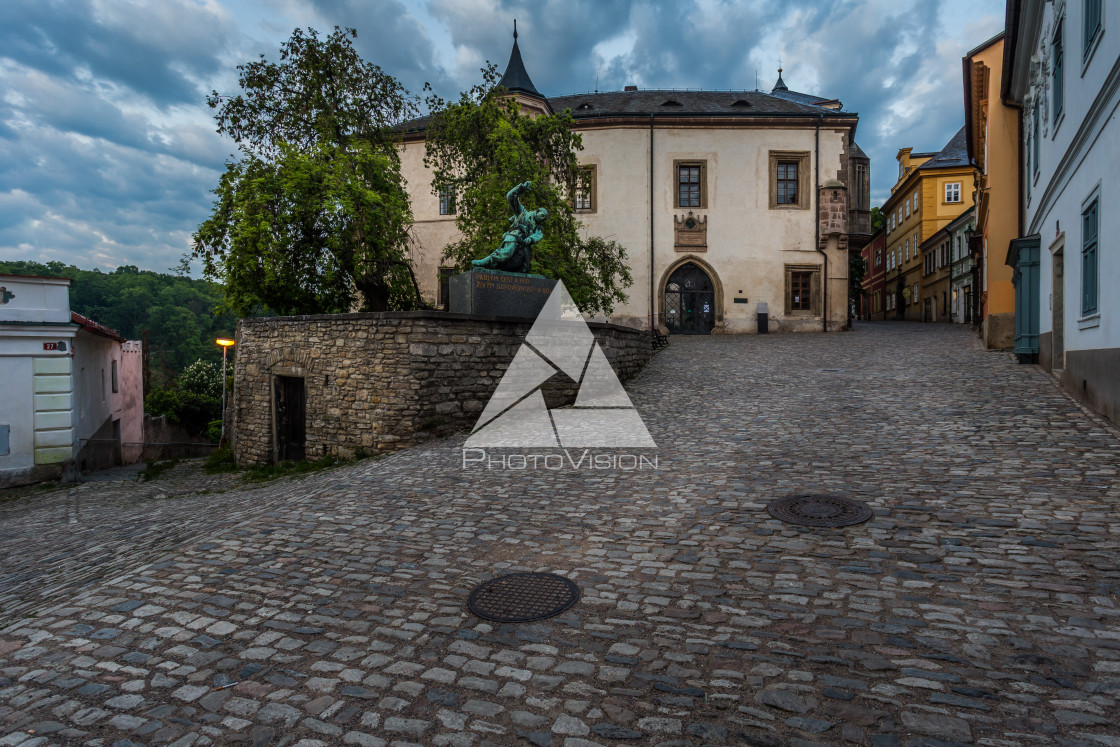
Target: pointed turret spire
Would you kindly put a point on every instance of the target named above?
(515, 77)
(781, 84)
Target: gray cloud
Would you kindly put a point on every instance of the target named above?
(108, 151)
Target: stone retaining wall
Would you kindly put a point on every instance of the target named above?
(380, 382)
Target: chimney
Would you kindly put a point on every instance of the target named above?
(630, 88)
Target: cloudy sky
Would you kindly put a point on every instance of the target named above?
(108, 151)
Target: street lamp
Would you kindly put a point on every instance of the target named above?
(226, 345)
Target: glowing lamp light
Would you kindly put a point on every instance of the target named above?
(224, 343)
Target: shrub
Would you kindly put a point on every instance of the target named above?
(193, 412)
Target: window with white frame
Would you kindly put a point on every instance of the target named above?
(1090, 223)
(1092, 12)
(953, 192)
(908, 208)
(1058, 51)
(907, 250)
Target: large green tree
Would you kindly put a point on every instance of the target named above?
(313, 216)
(482, 145)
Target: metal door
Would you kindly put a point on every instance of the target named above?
(689, 302)
(291, 414)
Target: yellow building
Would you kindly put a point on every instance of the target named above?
(932, 189)
(992, 134)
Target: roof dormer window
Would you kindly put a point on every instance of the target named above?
(742, 102)
(671, 102)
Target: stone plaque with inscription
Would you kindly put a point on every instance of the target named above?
(494, 293)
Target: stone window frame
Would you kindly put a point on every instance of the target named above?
(678, 164)
(803, 180)
(814, 283)
(588, 179)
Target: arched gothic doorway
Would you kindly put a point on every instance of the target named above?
(690, 305)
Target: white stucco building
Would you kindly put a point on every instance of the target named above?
(1062, 67)
(722, 199)
(72, 394)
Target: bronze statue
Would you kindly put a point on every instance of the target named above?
(516, 254)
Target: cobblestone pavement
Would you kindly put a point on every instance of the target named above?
(980, 605)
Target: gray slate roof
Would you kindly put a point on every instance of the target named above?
(955, 153)
(857, 152)
(516, 78)
(586, 105)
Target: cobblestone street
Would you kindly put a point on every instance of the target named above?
(981, 604)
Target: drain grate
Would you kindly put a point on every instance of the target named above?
(819, 510)
(522, 597)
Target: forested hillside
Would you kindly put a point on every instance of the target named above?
(179, 313)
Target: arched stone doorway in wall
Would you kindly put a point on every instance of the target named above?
(690, 301)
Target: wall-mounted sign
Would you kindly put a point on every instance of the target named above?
(60, 345)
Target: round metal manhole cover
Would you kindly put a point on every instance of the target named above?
(523, 597)
(819, 510)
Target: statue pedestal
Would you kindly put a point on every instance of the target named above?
(495, 293)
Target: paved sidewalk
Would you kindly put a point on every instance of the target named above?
(981, 605)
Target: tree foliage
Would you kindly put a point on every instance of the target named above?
(315, 208)
(182, 316)
(482, 145)
(878, 219)
(202, 377)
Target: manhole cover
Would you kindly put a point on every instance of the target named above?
(819, 510)
(523, 597)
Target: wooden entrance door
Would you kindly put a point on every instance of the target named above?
(291, 417)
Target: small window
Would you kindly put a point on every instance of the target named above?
(907, 250)
(671, 102)
(803, 289)
(741, 102)
(878, 256)
(444, 300)
(1036, 132)
(1089, 236)
(953, 192)
(1092, 27)
(908, 208)
(584, 198)
(114, 377)
(691, 187)
(1059, 71)
(447, 201)
(789, 180)
(914, 295)
(787, 183)
(915, 201)
(900, 214)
